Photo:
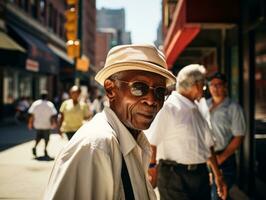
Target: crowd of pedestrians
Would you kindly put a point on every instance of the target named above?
(141, 136)
(64, 117)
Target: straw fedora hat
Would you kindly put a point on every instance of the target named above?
(143, 57)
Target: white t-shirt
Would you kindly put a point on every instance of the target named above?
(42, 110)
(181, 132)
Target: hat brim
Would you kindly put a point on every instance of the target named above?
(106, 72)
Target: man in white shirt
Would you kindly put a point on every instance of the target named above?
(108, 157)
(185, 141)
(42, 118)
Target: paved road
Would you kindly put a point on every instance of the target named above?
(21, 175)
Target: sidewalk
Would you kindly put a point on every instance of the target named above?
(24, 177)
(21, 175)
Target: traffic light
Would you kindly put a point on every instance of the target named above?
(73, 48)
(71, 24)
(71, 29)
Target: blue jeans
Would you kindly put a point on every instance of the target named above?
(228, 168)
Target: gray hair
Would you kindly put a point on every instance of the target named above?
(189, 75)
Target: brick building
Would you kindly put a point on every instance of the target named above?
(33, 49)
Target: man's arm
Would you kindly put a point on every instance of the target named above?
(30, 121)
(230, 149)
(219, 181)
(153, 167)
(60, 121)
(53, 121)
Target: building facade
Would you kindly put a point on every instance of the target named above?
(33, 48)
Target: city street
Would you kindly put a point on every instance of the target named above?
(21, 175)
(24, 177)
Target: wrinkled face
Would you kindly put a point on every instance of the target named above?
(217, 88)
(134, 104)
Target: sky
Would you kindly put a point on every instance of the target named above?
(142, 17)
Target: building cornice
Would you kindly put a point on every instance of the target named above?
(35, 25)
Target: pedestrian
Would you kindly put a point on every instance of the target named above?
(97, 104)
(22, 109)
(42, 117)
(186, 142)
(72, 113)
(108, 157)
(228, 125)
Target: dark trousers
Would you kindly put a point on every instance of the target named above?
(176, 181)
(41, 133)
(228, 168)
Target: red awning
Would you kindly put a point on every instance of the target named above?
(179, 35)
(187, 20)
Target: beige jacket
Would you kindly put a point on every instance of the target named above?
(89, 167)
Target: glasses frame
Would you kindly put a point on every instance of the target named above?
(130, 85)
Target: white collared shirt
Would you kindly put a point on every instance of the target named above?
(89, 167)
(181, 131)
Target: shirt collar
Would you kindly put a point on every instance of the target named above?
(184, 100)
(225, 102)
(124, 137)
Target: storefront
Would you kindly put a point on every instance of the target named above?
(24, 74)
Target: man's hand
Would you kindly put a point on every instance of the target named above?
(30, 126)
(221, 187)
(152, 172)
(220, 159)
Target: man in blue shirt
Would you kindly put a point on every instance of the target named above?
(228, 125)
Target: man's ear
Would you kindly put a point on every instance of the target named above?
(109, 87)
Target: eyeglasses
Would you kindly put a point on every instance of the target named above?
(217, 85)
(139, 89)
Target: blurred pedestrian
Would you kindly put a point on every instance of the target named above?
(73, 113)
(228, 125)
(108, 157)
(42, 117)
(186, 142)
(22, 107)
(97, 104)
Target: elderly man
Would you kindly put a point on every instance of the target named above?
(228, 125)
(185, 141)
(108, 157)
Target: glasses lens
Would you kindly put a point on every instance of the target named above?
(160, 92)
(139, 88)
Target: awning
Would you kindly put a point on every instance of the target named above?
(7, 43)
(179, 35)
(11, 53)
(190, 17)
(39, 53)
(61, 54)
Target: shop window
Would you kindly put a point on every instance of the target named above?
(25, 86)
(9, 92)
(42, 83)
